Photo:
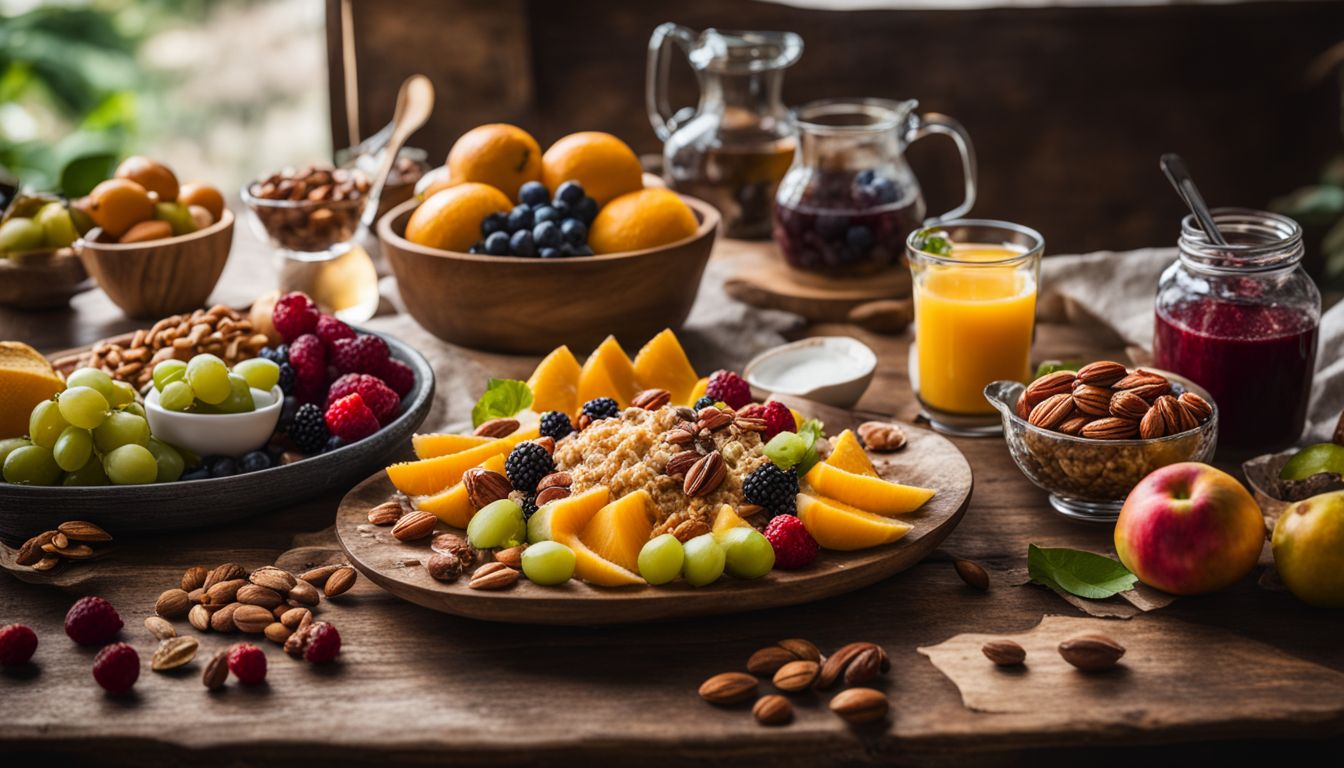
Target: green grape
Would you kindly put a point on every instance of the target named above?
(121, 429)
(131, 464)
(786, 449)
(135, 409)
(169, 371)
(10, 445)
(83, 407)
(747, 553)
(259, 372)
(661, 558)
(31, 465)
(209, 378)
(46, 423)
(94, 379)
(239, 399)
(73, 448)
(169, 460)
(177, 396)
(704, 561)
(496, 524)
(123, 394)
(548, 563)
(92, 473)
(539, 525)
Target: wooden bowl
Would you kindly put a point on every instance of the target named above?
(527, 305)
(164, 277)
(41, 280)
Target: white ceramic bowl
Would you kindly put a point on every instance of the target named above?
(217, 434)
(835, 370)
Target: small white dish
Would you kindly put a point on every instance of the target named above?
(217, 434)
(835, 370)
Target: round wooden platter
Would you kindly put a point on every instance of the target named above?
(928, 460)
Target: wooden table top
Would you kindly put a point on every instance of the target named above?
(416, 685)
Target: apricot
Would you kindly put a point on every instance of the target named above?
(153, 176)
(204, 195)
(147, 231)
(116, 205)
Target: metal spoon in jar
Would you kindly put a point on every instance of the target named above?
(1174, 167)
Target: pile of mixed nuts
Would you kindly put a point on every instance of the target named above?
(72, 541)
(453, 554)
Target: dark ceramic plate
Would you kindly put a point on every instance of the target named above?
(27, 510)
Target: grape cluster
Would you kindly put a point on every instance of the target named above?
(540, 225)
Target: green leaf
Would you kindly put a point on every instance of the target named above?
(1079, 573)
(1050, 366)
(810, 431)
(934, 241)
(502, 398)
(82, 174)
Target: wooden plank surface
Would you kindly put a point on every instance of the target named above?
(416, 685)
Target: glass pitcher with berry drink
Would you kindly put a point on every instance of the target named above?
(732, 148)
(850, 199)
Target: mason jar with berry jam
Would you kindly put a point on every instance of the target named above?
(850, 199)
(1241, 321)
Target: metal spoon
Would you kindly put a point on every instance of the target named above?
(1174, 168)
(415, 101)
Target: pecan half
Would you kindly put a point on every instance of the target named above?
(713, 419)
(1103, 373)
(705, 475)
(497, 428)
(1049, 385)
(749, 424)
(1152, 425)
(1127, 405)
(1094, 401)
(651, 399)
(681, 434)
(1111, 428)
(1052, 411)
(485, 487)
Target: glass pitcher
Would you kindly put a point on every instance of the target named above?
(850, 199)
(733, 148)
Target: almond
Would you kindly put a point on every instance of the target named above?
(1093, 401)
(864, 667)
(728, 688)
(1073, 426)
(555, 480)
(689, 529)
(159, 628)
(223, 593)
(485, 487)
(1145, 384)
(80, 530)
(767, 661)
(497, 428)
(493, 576)
(414, 526)
(972, 573)
(193, 578)
(1049, 385)
(172, 604)
(860, 705)
(546, 442)
(251, 594)
(295, 617)
(225, 572)
(1200, 408)
(511, 556)
(31, 551)
(341, 581)
(277, 632)
(772, 709)
(834, 667)
(174, 652)
(199, 618)
(304, 594)
(651, 399)
(1127, 405)
(1052, 411)
(1171, 411)
(216, 673)
(796, 675)
(554, 493)
(1103, 373)
(802, 649)
(386, 513)
(1004, 653)
(1111, 428)
(252, 619)
(319, 575)
(1091, 652)
(1152, 426)
(273, 578)
(222, 619)
(882, 436)
(705, 475)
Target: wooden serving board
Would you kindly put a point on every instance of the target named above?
(928, 460)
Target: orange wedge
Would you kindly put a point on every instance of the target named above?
(608, 372)
(555, 383)
(662, 364)
(452, 506)
(838, 526)
(870, 494)
(442, 444)
(848, 455)
(620, 529)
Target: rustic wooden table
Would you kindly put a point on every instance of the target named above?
(419, 686)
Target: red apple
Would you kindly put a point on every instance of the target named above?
(1188, 529)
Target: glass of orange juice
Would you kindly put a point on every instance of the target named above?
(975, 307)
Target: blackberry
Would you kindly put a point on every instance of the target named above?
(288, 409)
(277, 354)
(529, 506)
(703, 402)
(309, 430)
(601, 408)
(773, 488)
(555, 425)
(287, 378)
(254, 462)
(526, 465)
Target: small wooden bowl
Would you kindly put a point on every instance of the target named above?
(164, 277)
(527, 305)
(41, 281)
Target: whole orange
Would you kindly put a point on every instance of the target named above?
(501, 155)
(647, 218)
(150, 174)
(204, 195)
(450, 219)
(604, 165)
(116, 205)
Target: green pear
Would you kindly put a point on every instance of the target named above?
(177, 216)
(1309, 549)
(57, 227)
(20, 234)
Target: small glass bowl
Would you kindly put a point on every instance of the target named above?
(1088, 479)
(310, 230)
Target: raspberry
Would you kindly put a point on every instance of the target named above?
(601, 408)
(294, 315)
(247, 662)
(397, 375)
(778, 418)
(380, 399)
(727, 387)
(794, 546)
(308, 358)
(323, 643)
(526, 465)
(309, 429)
(773, 488)
(555, 425)
(116, 668)
(362, 354)
(350, 418)
(92, 621)
(329, 329)
(17, 643)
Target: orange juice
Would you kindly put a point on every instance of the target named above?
(973, 324)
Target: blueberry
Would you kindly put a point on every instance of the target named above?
(575, 233)
(521, 243)
(570, 192)
(277, 354)
(254, 461)
(586, 210)
(199, 473)
(859, 238)
(550, 253)
(495, 222)
(497, 244)
(221, 466)
(545, 213)
(582, 250)
(332, 444)
(533, 193)
(885, 189)
(477, 247)
(563, 208)
(287, 378)
(546, 234)
(520, 218)
(287, 411)
(865, 177)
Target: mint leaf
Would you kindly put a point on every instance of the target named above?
(502, 398)
(809, 431)
(1079, 573)
(1050, 366)
(934, 241)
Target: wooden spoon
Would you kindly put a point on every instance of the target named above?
(415, 102)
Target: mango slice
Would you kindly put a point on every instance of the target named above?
(662, 364)
(838, 526)
(870, 494)
(608, 372)
(555, 383)
(442, 444)
(452, 506)
(849, 455)
(620, 529)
